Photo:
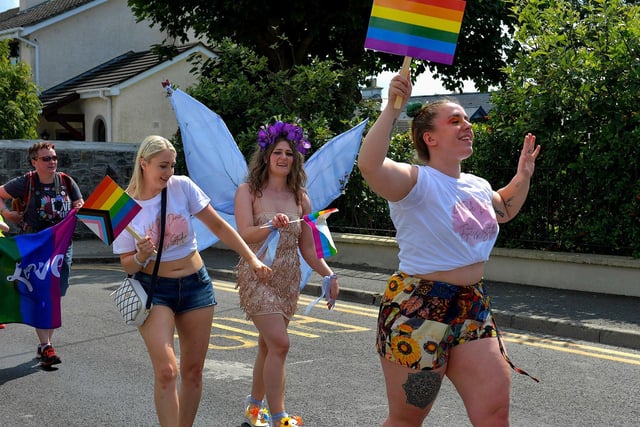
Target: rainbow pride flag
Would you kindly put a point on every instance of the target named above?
(30, 275)
(321, 234)
(424, 29)
(108, 210)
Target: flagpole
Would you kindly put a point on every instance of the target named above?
(136, 236)
(133, 233)
(268, 224)
(404, 71)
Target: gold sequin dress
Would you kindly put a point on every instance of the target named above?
(280, 294)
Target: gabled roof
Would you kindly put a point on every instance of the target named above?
(469, 101)
(14, 18)
(112, 73)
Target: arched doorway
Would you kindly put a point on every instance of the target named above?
(99, 130)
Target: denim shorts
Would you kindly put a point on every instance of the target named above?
(181, 294)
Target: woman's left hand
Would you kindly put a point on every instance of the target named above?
(528, 155)
(333, 293)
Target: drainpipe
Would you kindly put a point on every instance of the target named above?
(108, 99)
(15, 34)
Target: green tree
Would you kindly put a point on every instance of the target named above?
(19, 102)
(575, 86)
(291, 33)
(239, 86)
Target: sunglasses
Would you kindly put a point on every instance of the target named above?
(47, 158)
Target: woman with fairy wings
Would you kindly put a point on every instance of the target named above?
(272, 201)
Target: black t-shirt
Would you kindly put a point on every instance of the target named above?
(49, 203)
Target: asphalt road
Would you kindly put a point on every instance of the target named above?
(334, 378)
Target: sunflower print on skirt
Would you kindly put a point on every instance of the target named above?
(420, 320)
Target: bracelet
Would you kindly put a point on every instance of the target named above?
(140, 263)
(3, 209)
(332, 276)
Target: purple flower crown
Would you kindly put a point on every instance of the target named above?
(270, 134)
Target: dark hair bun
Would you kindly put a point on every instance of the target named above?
(413, 108)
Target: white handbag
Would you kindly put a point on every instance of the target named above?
(131, 302)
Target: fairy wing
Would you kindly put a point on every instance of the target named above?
(328, 171)
(216, 164)
(213, 159)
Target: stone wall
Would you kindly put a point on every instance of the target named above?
(86, 162)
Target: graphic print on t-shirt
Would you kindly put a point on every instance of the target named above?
(52, 207)
(176, 231)
(473, 221)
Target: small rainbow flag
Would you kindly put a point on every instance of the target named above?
(321, 234)
(108, 210)
(424, 29)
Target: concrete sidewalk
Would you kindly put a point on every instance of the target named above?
(601, 318)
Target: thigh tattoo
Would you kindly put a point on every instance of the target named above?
(422, 388)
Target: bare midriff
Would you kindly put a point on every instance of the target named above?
(462, 276)
(182, 267)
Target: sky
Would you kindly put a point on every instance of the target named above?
(425, 85)
(8, 4)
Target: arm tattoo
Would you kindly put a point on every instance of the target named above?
(507, 202)
(422, 388)
(500, 213)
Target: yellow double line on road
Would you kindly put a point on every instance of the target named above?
(569, 347)
(563, 346)
(372, 312)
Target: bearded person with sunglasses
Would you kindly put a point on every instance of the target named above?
(42, 198)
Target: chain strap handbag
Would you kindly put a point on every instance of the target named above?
(131, 300)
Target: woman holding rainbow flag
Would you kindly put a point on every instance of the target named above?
(270, 205)
(183, 297)
(45, 196)
(435, 315)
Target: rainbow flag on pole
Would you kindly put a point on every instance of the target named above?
(321, 234)
(424, 29)
(30, 275)
(108, 210)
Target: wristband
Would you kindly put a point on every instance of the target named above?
(332, 276)
(140, 263)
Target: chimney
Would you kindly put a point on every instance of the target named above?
(26, 4)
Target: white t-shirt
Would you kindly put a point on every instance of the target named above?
(184, 199)
(444, 223)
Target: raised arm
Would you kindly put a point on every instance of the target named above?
(508, 200)
(389, 179)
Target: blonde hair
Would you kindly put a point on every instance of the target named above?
(149, 148)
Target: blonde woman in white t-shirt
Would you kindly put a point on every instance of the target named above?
(183, 298)
(435, 316)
